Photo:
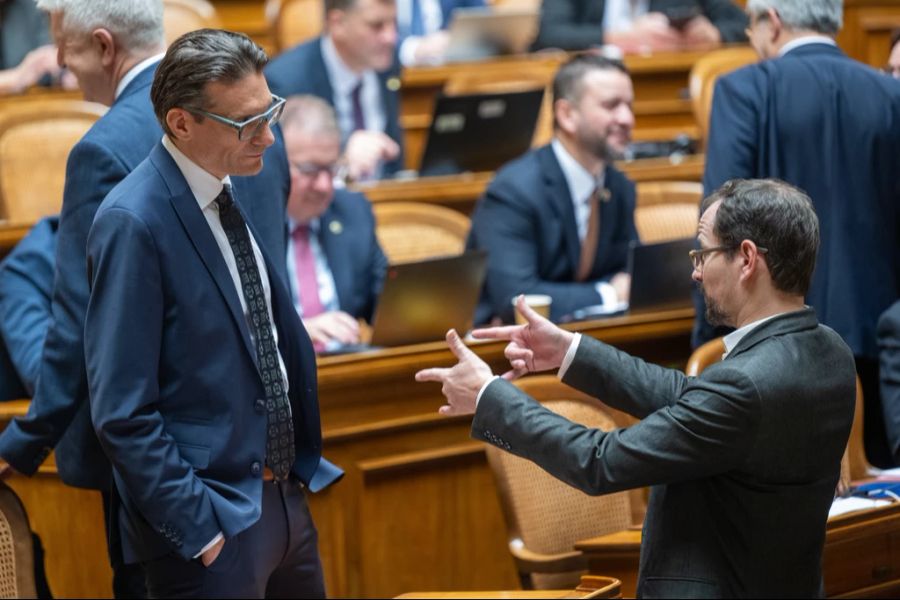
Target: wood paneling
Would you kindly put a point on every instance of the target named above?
(417, 508)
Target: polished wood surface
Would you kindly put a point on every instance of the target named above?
(462, 191)
(861, 558)
(417, 509)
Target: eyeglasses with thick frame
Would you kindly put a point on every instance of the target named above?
(698, 256)
(337, 171)
(254, 124)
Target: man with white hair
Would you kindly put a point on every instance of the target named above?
(113, 48)
(813, 117)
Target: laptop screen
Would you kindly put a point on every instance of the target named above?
(420, 301)
(480, 132)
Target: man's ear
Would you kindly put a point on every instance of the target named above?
(777, 26)
(181, 123)
(105, 43)
(750, 259)
(565, 115)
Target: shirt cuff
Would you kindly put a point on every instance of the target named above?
(484, 387)
(219, 537)
(408, 50)
(607, 294)
(569, 357)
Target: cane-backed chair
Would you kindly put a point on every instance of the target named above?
(411, 231)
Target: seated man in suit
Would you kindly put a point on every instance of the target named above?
(744, 458)
(422, 28)
(640, 26)
(353, 67)
(26, 286)
(560, 219)
(335, 264)
(202, 378)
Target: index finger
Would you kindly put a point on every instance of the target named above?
(505, 332)
(433, 374)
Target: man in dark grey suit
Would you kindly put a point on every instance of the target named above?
(743, 459)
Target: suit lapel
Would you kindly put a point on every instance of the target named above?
(559, 198)
(201, 237)
(320, 81)
(332, 235)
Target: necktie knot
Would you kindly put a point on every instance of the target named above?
(224, 201)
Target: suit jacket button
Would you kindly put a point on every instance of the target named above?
(255, 469)
(260, 406)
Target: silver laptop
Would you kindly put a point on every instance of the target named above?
(478, 33)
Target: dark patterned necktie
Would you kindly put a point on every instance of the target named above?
(280, 429)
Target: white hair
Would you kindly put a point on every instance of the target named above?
(135, 24)
(821, 16)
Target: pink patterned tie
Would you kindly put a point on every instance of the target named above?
(306, 273)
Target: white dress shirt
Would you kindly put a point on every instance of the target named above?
(581, 185)
(619, 15)
(343, 81)
(135, 71)
(804, 41)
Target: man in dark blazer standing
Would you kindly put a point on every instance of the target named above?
(336, 266)
(744, 459)
(211, 421)
(113, 49)
(559, 220)
(639, 26)
(811, 116)
(353, 66)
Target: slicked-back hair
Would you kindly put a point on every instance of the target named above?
(821, 16)
(895, 37)
(196, 59)
(136, 25)
(776, 216)
(568, 83)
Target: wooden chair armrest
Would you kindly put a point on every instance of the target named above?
(528, 561)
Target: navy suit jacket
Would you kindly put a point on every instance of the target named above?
(831, 126)
(175, 391)
(59, 414)
(578, 24)
(26, 283)
(526, 222)
(301, 70)
(357, 263)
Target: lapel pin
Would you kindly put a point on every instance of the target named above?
(393, 83)
(335, 227)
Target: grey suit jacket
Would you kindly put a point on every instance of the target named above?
(743, 459)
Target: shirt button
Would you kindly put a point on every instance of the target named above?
(260, 406)
(255, 469)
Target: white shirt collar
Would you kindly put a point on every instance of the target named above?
(805, 40)
(581, 182)
(731, 340)
(135, 71)
(342, 78)
(204, 185)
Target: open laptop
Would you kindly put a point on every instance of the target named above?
(477, 33)
(421, 300)
(660, 280)
(479, 132)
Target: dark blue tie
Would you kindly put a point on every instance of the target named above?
(359, 119)
(280, 429)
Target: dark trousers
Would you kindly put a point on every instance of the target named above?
(277, 557)
(128, 580)
(875, 437)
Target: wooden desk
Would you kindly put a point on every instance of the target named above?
(417, 508)
(662, 107)
(461, 192)
(861, 558)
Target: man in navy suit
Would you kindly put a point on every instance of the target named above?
(113, 48)
(422, 28)
(353, 67)
(811, 116)
(335, 265)
(26, 284)
(559, 220)
(212, 420)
